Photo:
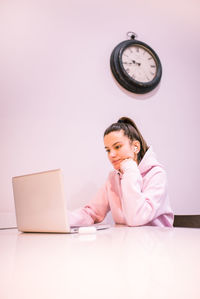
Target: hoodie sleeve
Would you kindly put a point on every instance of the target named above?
(140, 203)
(94, 212)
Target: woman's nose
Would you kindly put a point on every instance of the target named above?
(112, 154)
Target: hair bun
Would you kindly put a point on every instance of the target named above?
(125, 120)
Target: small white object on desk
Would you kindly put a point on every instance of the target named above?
(87, 230)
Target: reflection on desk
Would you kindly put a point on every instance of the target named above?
(121, 262)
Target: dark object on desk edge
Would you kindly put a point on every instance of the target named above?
(192, 221)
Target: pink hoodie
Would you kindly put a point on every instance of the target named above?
(136, 197)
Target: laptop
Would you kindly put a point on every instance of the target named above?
(40, 204)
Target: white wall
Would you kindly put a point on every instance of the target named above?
(57, 93)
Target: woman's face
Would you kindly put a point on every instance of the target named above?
(119, 147)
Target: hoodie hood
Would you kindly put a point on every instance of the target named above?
(148, 161)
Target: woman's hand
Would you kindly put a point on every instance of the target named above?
(123, 162)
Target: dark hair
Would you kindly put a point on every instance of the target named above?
(131, 131)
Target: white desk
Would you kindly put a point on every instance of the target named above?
(120, 263)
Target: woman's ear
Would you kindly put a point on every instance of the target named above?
(136, 146)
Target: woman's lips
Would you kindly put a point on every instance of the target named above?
(116, 161)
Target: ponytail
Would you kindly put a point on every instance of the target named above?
(131, 131)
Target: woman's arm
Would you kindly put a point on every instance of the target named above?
(92, 213)
(140, 203)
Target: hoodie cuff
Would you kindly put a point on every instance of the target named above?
(129, 164)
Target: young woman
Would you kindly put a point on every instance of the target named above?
(136, 191)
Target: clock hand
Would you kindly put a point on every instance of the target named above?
(137, 63)
(128, 63)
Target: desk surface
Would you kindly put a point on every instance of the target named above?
(120, 263)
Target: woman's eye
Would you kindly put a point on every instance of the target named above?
(117, 147)
(107, 151)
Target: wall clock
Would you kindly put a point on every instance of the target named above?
(135, 65)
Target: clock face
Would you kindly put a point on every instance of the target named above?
(139, 63)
